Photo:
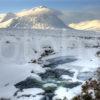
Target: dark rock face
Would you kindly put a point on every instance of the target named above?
(98, 74)
(4, 99)
(59, 60)
(70, 84)
(85, 94)
(85, 75)
(23, 96)
(64, 72)
(47, 51)
(50, 89)
(48, 96)
(55, 74)
(98, 54)
(51, 76)
(49, 92)
(28, 83)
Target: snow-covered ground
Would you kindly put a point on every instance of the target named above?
(43, 59)
(13, 69)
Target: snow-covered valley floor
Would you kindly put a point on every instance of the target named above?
(59, 76)
(42, 58)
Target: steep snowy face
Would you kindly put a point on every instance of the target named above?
(6, 24)
(35, 18)
(93, 25)
(6, 17)
(34, 11)
(39, 18)
(2, 16)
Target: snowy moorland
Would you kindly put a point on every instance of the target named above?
(41, 58)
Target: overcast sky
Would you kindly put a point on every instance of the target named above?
(16, 5)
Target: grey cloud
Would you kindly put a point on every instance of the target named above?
(73, 17)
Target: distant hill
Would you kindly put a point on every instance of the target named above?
(93, 25)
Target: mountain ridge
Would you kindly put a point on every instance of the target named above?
(92, 25)
(37, 18)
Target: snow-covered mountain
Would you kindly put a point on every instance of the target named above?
(6, 17)
(1, 16)
(93, 25)
(38, 63)
(38, 18)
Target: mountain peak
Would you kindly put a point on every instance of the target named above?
(36, 18)
(42, 7)
(34, 11)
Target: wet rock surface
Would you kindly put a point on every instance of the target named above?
(85, 75)
(70, 84)
(51, 79)
(48, 96)
(55, 74)
(59, 60)
(28, 83)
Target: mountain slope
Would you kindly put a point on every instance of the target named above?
(38, 18)
(93, 25)
(2, 16)
(6, 23)
(6, 17)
